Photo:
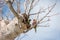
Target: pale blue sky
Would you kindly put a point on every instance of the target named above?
(43, 33)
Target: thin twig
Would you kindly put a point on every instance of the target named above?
(41, 11)
(47, 13)
(43, 25)
(36, 13)
(45, 21)
(53, 15)
(31, 6)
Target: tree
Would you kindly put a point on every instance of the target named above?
(21, 22)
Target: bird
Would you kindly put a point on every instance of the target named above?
(34, 24)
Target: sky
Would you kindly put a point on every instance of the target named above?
(43, 33)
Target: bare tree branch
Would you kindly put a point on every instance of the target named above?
(47, 13)
(25, 6)
(39, 12)
(43, 25)
(11, 8)
(18, 7)
(32, 6)
(43, 10)
(45, 21)
(53, 15)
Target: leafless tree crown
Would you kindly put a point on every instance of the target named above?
(21, 23)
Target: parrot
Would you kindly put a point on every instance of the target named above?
(34, 24)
